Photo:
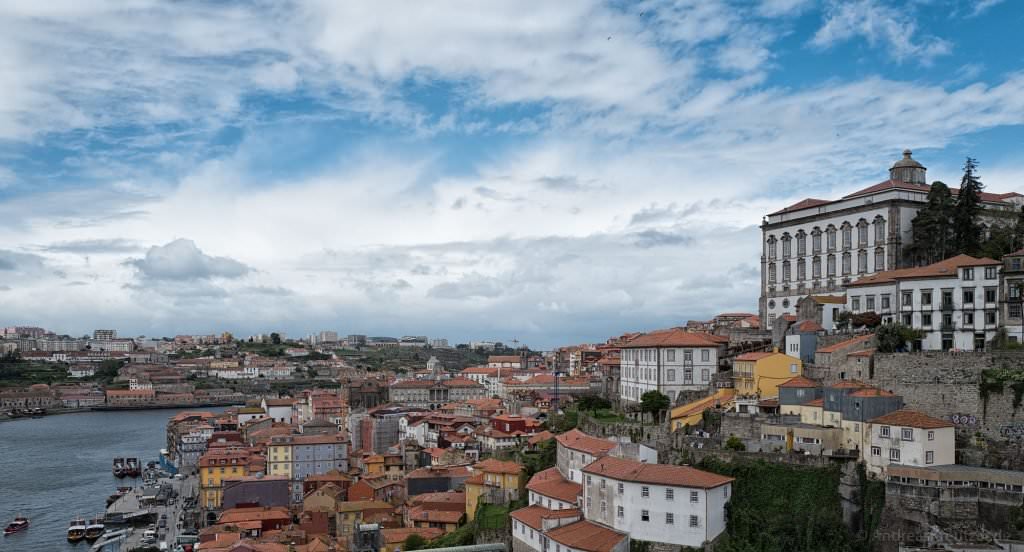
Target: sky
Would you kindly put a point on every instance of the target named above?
(549, 172)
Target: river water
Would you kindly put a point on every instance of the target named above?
(57, 467)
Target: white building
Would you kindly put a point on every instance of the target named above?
(82, 371)
(508, 362)
(818, 246)
(138, 385)
(909, 438)
(278, 409)
(656, 502)
(955, 302)
(669, 361)
(576, 450)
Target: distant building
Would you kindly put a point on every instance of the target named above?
(104, 335)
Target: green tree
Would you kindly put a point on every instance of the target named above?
(894, 337)
(869, 319)
(734, 443)
(275, 338)
(414, 541)
(109, 370)
(966, 230)
(654, 402)
(592, 403)
(933, 227)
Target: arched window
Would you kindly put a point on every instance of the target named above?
(801, 243)
(816, 240)
(786, 271)
(847, 235)
(772, 252)
(787, 246)
(879, 259)
(831, 232)
(879, 230)
(771, 273)
(831, 266)
(862, 261)
(846, 263)
(816, 267)
(801, 270)
(862, 233)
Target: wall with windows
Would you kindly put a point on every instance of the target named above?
(658, 513)
(911, 446)
(670, 370)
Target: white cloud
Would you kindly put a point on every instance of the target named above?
(181, 259)
(881, 26)
(981, 6)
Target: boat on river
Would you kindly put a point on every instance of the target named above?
(19, 524)
(132, 467)
(119, 469)
(76, 531)
(95, 529)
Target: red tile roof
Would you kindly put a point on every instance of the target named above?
(815, 402)
(942, 269)
(911, 418)
(802, 204)
(550, 483)
(872, 392)
(587, 536)
(577, 440)
(492, 465)
(809, 326)
(534, 515)
(864, 353)
(673, 337)
(658, 474)
(799, 381)
(842, 344)
(419, 513)
(849, 384)
(540, 437)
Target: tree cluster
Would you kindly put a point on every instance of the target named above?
(951, 225)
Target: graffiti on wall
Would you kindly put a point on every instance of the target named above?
(964, 419)
(1012, 431)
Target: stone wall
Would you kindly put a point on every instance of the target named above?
(646, 434)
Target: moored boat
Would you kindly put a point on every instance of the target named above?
(132, 467)
(19, 524)
(119, 469)
(95, 529)
(76, 531)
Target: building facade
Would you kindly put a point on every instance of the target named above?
(669, 361)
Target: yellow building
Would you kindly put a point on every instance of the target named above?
(693, 413)
(279, 457)
(493, 481)
(759, 374)
(373, 465)
(219, 465)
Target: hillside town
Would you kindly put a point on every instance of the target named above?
(874, 392)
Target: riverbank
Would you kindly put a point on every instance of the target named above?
(118, 408)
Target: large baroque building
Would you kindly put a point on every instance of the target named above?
(818, 246)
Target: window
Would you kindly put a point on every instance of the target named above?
(705, 355)
(792, 368)
(694, 496)
(670, 518)
(621, 488)
(894, 455)
(876, 451)
(883, 431)
(801, 270)
(670, 494)
(816, 241)
(855, 304)
(885, 303)
(869, 302)
(862, 261)
(831, 232)
(787, 246)
(990, 318)
(879, 230)
(786, 271)
(816, 267)
(908, 434)
(771, 248)
(670, 355)
(645, 515)
(862, 233)
(688, 355)
(929, 457)
(947, 319)
(604, 507)
(907, 319)
(670, 375)
(694, 521)
(831, 261)
(908, 299)
(990, 273)
(645, 492)
(847, 266)
(879, 260)
(847, 236)
(926, 297)
(687, 375)
(931, 435)
(926, 319)
(968, 296)
(968, 319)
(706, 375)
(620, 512)
(990, 295)
(801, 243)
(968, 274)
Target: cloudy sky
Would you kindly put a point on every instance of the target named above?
(549, 171)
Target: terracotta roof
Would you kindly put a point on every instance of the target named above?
(492, 465)
(540, 437)
(802, 204)
(550, 483)
(842, 344)
(697, 406)
(577, 440)
(809, 326)
(587, 536)
(486, 370)
(911, 418)
(942, 269)
(235, 515)
(864, 353)
(788, 317)
(534, 515)
(442, 497)
(460, 382)
(398, 535)
(658, 474)
(849, 384)
(815, 402)
(419, 513)
(799, 382)
(361, 505)
(768, 403)
(830, 299)
(755, 356)
(872, 392)
(923, 188)
(673, 337)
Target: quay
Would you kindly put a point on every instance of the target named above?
(159, 507)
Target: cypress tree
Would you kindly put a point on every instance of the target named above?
(933, 227)
(966, 230)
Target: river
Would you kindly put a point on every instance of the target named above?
(57, 467)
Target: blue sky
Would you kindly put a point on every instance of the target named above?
(555, 172)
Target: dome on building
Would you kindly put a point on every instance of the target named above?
(907, 170)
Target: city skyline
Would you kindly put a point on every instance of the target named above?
(558, 177)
